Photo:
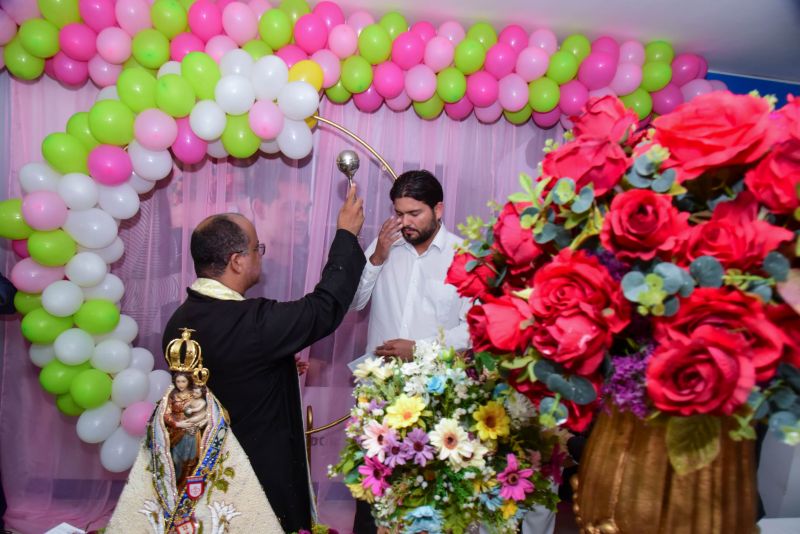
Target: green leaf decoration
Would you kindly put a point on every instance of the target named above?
(633, 285)
(552, 412)
(584, 200)
(708, 271)
(636, 180)
(761, 289)
(584, 390)
(663, 182)
(519, 197)
(779, 420)
(558, 384)
(692, 442)
(564, 191)
(644, 166)
(783, 398)
(471, 265)
(352, 477)
(526, 182)
(672, 275)
(547, 234)
(542, 369)
(671, 306)
(777, 266)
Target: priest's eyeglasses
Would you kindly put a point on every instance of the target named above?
(261, 248)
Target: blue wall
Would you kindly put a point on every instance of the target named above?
(743, 85)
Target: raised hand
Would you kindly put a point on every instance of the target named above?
(390, 232)
(351, 214)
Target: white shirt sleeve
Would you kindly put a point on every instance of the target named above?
(367, 283)
(457, 337)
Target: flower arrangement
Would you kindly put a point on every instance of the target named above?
(435, 445)
(650, 269)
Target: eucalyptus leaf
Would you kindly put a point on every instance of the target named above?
(644, 166)
(551, 405)
(777, 266)
(584, 390)
(542, 369)
(778, 420)
(584, 200)
(633, 285)
(637, 181)
(663, 183)
(564, 191)
(547, 234)
(671, 306)
(673, 276)
(519, 197)
(692, 442)
(558, 384)
(783, 398)
(688, 284)
(563, 238)
(761, 289)
(471, 265)
(530, 211)
(708, 271)
(791, 374)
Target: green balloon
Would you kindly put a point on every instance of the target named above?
(137, 89)
(151, 48)
(374, 44)
(519, 117)
(12, 223)
(451, 85)
(187, 4)
(655, 76)
(40, 327)
(577, 45)
(97, 316)
(202, 73)
(483, 33)
(563, 67)
(56, 377)
(53, 248)
(431, 108)
(659, 51)
(337, 93)
(131, 63)
(111, 122)
(257, 49)
(469, 56)
(39, 37)
(60, 12)
(356, 74)
(238, 138)
(67, 405)
(543, 94)
(91, 388)
(639, 101)
(169, 17)
(21, 64)
(27, 302)
(275, 28)
(174, 95)
(295, 9)
(78, 127)
(65, 153)
(394, 23)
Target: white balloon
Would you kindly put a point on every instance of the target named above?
(237, 61)
(216, 150)
(119, 451)
(74, 346)
(41, 355)
(234, 94)
(170, 67)
(86, 269)
(98, 424)
(126, 330)
(93, 228)
(120, 201)
(270, 146)
(139, 184)
(78, 191)
(150, 164)
(295, 140)
(298, 100)
(62, 298)
(110, 288)
(129, 386)
(38, 177)
(112, 356)
(107, 93)
(158, 382)
(110, 254)
(269, 76)
(143, 360)
(207, 120)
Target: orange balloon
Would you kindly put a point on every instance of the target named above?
(312, 122)
(307, 71)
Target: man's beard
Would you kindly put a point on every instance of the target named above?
(420, 236)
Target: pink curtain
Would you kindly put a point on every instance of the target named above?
(48, 474)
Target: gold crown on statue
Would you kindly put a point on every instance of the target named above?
(192, 361)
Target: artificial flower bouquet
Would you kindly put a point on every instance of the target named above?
(651, 268)
(436, 445)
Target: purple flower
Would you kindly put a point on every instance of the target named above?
(616, 268)
(626, 388)
(376, 405)
(416, 447)
(396, 453)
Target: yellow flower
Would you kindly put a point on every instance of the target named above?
(493, 422)
(405, 411)
(509, 508)
(360, 492)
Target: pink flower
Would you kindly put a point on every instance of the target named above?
(514, 480)
(375, 474)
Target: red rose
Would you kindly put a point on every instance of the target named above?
(774, 181)
(786, 319)
(714, 130)
(709, 374)
(735, 236)
(588, 161)
(733, 311)
(579, 415)
(514, 242)
(604, 118)
(573, 339)
(472, 284)
(500, 325)
(641, 223)
(788, 120)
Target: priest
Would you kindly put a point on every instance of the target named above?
(249, 345)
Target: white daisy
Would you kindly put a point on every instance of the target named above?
(451, 441)
(373, 439)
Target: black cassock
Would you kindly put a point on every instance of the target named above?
(248, 347)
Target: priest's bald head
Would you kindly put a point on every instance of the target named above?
(225, 248)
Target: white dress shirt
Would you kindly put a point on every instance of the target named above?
(410, 298)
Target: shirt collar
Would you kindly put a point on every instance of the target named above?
(215, 289)
(439, 241)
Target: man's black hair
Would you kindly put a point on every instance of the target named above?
(420, 185)
(213, 244)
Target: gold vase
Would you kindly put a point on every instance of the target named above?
(626, 485)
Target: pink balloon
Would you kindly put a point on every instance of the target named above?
(135, 417)
(399, 103)
(458, 111)
(239, 22)
(482, 89)
(452, 31)
(8, 28)
(424, 30)
(626, 79)
(259, 7)
(154, 129)
(545, 40)
(388, 80)
(358, 20)
(547, 119)
(78, 41)
(31, 277)
(573, 97)
(183, 43)
(291, 54)
(667, 99)
(514, 36)
(343, 41)
(701, 73)
(369, 101)
(133, 16)
(97, 14)
(695, 88)
(310, 33)
(69, 71)
(109, 165)
(500, 60)
(631, 52)
(49, 69)
(597, 70)
(718, 85)
(439, 53)
(408, 50)
(513, 92)
(330, 65)
(219, 45)
(21, 10)
(20, 248)
(205, 19)
(608, 45)
(114, 45)
(330, 13)
(188, 148)
(103, 73)
(685, 67)
(532, 63)
(44, 210)
(266, 119)
(222, 4)
(420, 83)
(489, 114)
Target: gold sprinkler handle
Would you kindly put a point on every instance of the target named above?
(362, 143)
